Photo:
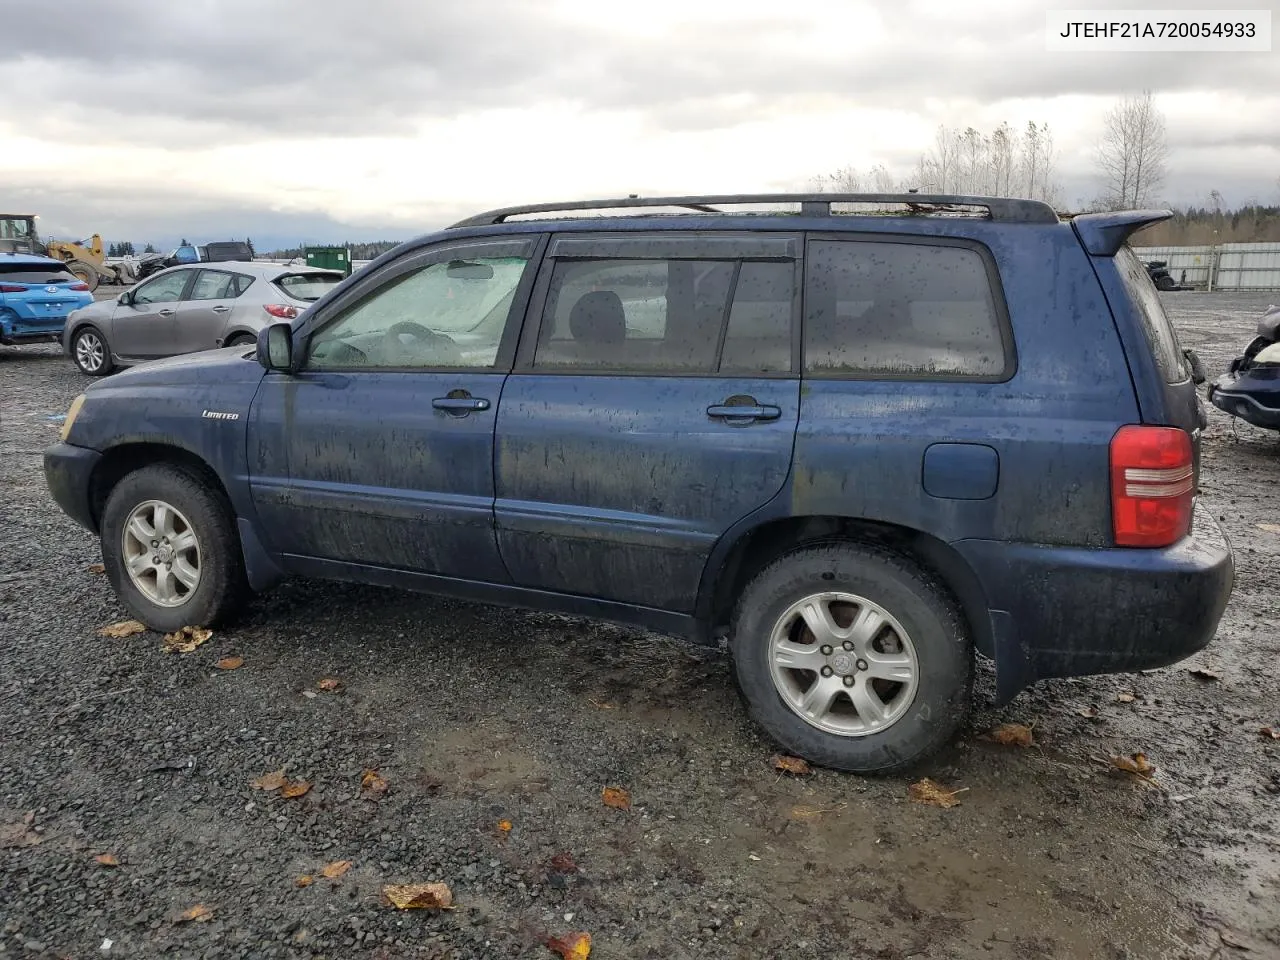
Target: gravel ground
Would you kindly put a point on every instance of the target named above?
(477, 715)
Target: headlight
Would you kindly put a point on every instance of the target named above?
(1269, 354)
(76, 404)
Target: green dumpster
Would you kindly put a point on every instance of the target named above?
(330, 258)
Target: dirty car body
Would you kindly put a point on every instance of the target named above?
(37, 294)
(863, 447)
(1250, 389)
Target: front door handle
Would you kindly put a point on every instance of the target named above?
(459, 403)
(744, 412)
(221, 309)
(164, 313)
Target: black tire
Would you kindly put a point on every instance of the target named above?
(1166, 284)
(241, 340)
(921, 606)
(80, 351)
(222, 587)
(85, 273)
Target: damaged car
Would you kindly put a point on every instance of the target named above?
(1250, 389)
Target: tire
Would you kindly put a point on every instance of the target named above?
(1166, 284)
(91, 352)
(85, 273)
(219, 588)
(922, 641)
(242, 340)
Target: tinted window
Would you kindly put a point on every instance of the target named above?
(443, 315)
(308, 286)
(758, 339)
(1164, 342)
(213, 286)
(166, 289)
(900, 309)
(34, 273)
(660, 316)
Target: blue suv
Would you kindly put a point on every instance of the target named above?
(862, 437)
(37, 294)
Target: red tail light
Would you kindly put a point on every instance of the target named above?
(79, 286)
(282, 310)
(1152, 485)
(12, 288)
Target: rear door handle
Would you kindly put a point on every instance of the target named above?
(725, 411)
(221, 309)
(460, 405)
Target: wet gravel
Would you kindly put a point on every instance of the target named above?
(477, 715)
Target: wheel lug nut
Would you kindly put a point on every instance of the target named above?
(826, 650)
(155, 559)
(863, 665)
(827, 671)
(848, 681)
(848, 644)
(155, 543)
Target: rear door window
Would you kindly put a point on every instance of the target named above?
(213, 285)
(903, 310)
(1160, 334)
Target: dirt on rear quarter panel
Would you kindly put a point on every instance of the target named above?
(477, 715)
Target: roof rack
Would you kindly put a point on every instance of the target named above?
(1000, 209)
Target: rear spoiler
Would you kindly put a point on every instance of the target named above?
(1103, 234)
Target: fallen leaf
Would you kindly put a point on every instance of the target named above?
(270, 781)
(601, 704)
(1204, 673)
(107, 860)
(1125, 697)
(572, 946)
(332, 871)
(803, 812)
(1011, 735)
(199, 913)
(1270, 732)
(564, 863)
(125, 628)
(1089, 713)
(20, 834)
(329, 684)
(504, 826)
(792, 765)
(418, 896)
(305, 880)
(1269, 527)
(186, 640)
(373, 786)
(1136, 763)
(230, 663)
(294, 789)
(96, 568)
(926, 791)
(616, 797)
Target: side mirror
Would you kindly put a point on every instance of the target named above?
(275, 347)
(125, 299)
(1197, 368)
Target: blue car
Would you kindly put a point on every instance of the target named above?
(864, 439)
(37, 294)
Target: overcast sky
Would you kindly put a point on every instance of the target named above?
(359, 119)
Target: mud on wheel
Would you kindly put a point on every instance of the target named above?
(852, 657)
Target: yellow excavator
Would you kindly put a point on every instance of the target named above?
(85, 259)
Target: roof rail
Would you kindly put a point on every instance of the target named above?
(1001, 209)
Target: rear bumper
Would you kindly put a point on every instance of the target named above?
(67, 471)
(1260, 406)
(16, 328)
(1070, 611)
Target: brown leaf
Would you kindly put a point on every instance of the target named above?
(926, 791)
(1270, 733)
(1125, 697)
(186, 640)
(792, 765)
(1136, 763)
(107, 860)
(504, 826)
(373, 786)
(199, 913)
(329, 684)
(616, 797)
(294, 789)
(1011, 735)
(125, 628)
(564, 863)
(418, 896)
(331, 871)
(1089, 713)
(96, 568)
(305, 880)
(270, 781)
(572, 946)
(1204, 673)
(230, 663)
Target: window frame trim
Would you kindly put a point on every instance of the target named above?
(1003, 320)
(649, 246)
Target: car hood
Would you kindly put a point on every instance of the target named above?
(230, 365)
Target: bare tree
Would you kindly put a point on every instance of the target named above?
(1132, 153)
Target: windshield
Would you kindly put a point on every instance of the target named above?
(308, 287)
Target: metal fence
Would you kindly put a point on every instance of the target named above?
(1226, 266)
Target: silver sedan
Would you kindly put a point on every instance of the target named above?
(189, 308)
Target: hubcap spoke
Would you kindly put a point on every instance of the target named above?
(868, 703)
(185, 572)
(140, 563)
(869, 622)
(142, 531)
(798, 656)
(164, 583)
(889, 666)
(817, 616)
(183, 541)
(162, 520)
(816, 701)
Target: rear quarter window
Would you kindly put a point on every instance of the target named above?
(1155, 324)
(34, 273)
(307, 286)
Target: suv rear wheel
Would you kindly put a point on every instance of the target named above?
(170, 549)
(852, 657)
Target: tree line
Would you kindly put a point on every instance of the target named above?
(359, 251)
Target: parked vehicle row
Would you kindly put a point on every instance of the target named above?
(863, 448)
(223, 251)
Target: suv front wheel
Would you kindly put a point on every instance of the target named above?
(852, 657)
(170, 548)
